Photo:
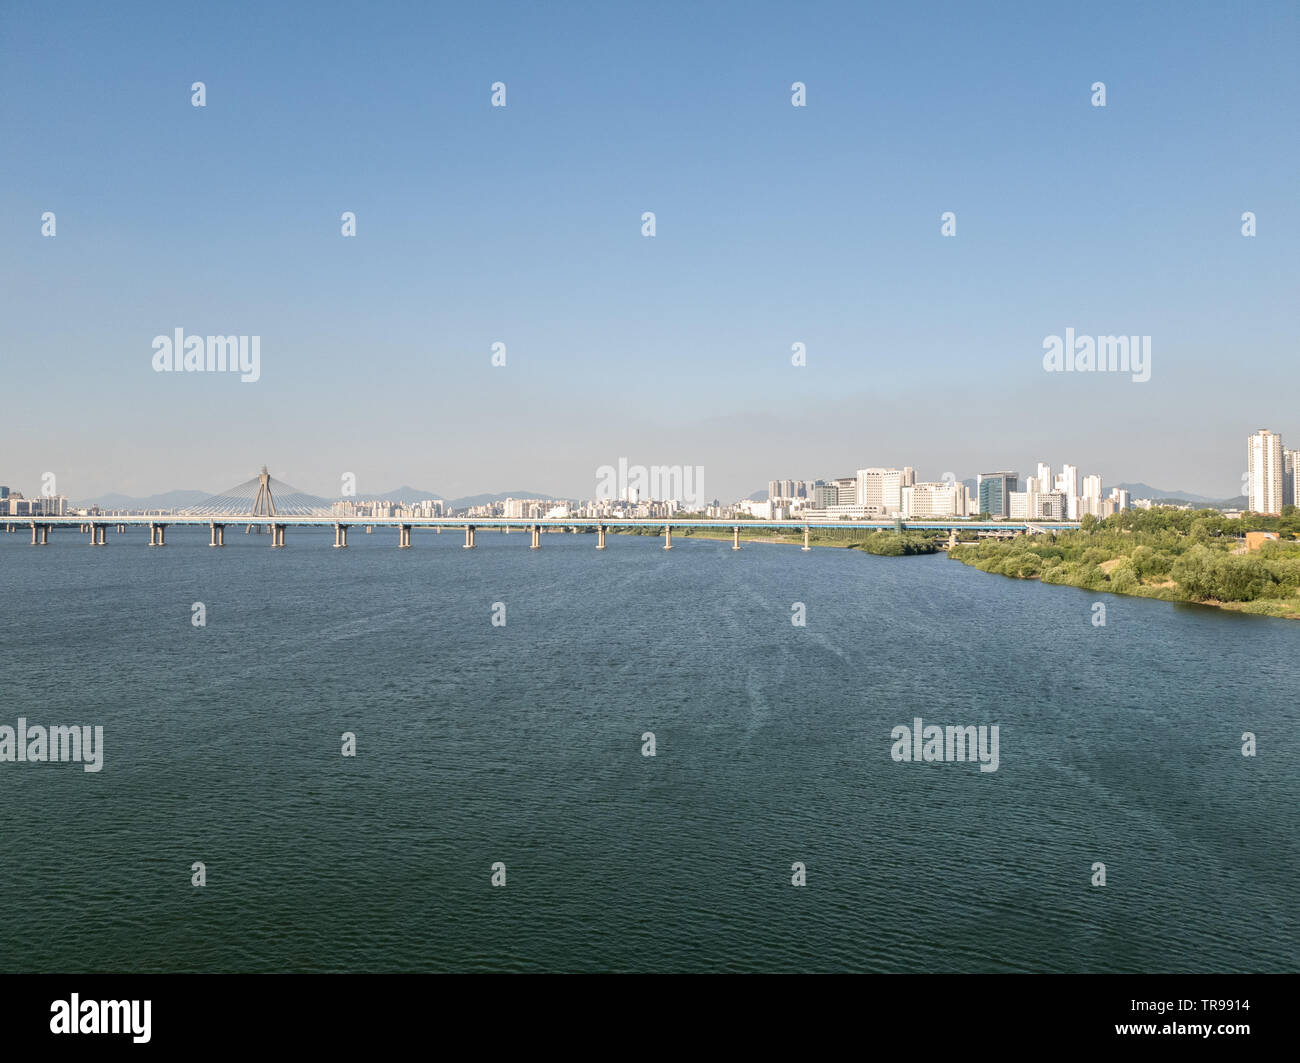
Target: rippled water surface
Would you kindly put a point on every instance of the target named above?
(522, 744)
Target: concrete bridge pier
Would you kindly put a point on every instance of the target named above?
(735, 537)
(157, 534)
(537, 538)
(216, 534)
(40, 534)
(340, 536)
(805, 538)
(277, 536)
(668, 536)
(403, 537)
(97, 533)
(469, 537)
(600, 536)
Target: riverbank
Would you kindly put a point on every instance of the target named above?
(1169, 555)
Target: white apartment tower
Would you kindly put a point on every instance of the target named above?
(1069, 486)
(1091, 496)
(1264, 468)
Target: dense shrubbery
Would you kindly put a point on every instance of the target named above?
(891, 544)
(1206, 574)
(1179, 555)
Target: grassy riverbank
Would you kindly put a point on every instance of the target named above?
(1169, 554)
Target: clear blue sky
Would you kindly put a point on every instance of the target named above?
(522, 225)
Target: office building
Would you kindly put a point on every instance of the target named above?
(881, 490)
(943, 498)
(995, 492)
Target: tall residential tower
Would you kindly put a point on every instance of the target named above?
(1264, 467)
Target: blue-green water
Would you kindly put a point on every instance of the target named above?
(522, 744)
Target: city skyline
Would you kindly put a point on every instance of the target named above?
(396, 483)
(1069, 486)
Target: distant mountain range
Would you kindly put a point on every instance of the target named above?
(412, 494)
(1135, 490)
(1147, 491)
(166, 500)
(179, 499)
(1141, 490)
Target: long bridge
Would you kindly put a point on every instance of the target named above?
(263, 511)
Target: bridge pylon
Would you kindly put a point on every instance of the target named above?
(264, 503)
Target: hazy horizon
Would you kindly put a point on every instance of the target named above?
(775, 225)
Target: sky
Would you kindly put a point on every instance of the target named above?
(522, 225)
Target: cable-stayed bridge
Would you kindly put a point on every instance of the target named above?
(263, 496)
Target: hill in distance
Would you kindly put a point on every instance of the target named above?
(411, 494)
(166, 500)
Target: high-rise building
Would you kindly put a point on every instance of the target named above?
(1044, 476)
(846, 489)
(995, 492)
(1050, 505)
(1036, 505)
(1290, 477)
(1264, 470)
(1069, 487)
(881, 490)
(824, 494)
(1091, 502)
(773, 488)
(944, 498)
